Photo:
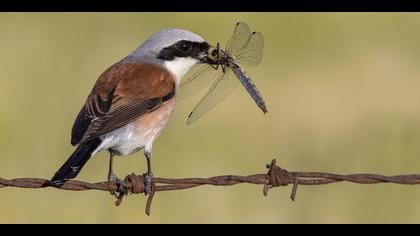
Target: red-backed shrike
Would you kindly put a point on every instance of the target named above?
(132, 101)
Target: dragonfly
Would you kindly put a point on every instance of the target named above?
(225, 71)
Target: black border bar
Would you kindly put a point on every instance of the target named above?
(211, 6)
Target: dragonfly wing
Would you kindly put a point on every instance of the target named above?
(221, 88)
(252, 51)
(240, 36)
(197, 79)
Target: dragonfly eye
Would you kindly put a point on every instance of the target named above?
(213, 54)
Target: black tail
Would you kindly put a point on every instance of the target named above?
(76, 161)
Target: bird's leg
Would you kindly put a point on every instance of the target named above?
(111, 176)
(149, 175)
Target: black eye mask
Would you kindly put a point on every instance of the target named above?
(183, 48)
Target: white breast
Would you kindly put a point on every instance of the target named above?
(139, 133)
(180, 66)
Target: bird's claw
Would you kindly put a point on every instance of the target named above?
(120, 184)
(148, 178)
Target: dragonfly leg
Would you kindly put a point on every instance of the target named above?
(224, 68)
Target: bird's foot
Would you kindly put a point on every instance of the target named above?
(119, 182)
(148, 178)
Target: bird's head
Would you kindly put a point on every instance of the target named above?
(176, 49)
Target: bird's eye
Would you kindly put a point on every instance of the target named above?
(184, 47)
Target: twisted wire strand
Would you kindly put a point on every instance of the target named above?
(276, 177)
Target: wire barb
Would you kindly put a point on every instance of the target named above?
(276, 177)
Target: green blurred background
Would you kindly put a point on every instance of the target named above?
(342, 90)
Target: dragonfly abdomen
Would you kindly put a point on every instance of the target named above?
(249, 86)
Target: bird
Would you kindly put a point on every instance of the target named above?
(131, 102)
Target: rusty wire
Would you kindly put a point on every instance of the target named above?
(276, 177)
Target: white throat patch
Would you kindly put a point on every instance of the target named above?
(180, 66)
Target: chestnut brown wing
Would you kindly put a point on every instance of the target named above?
(121, 94)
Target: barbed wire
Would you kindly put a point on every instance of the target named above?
(276, 177)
